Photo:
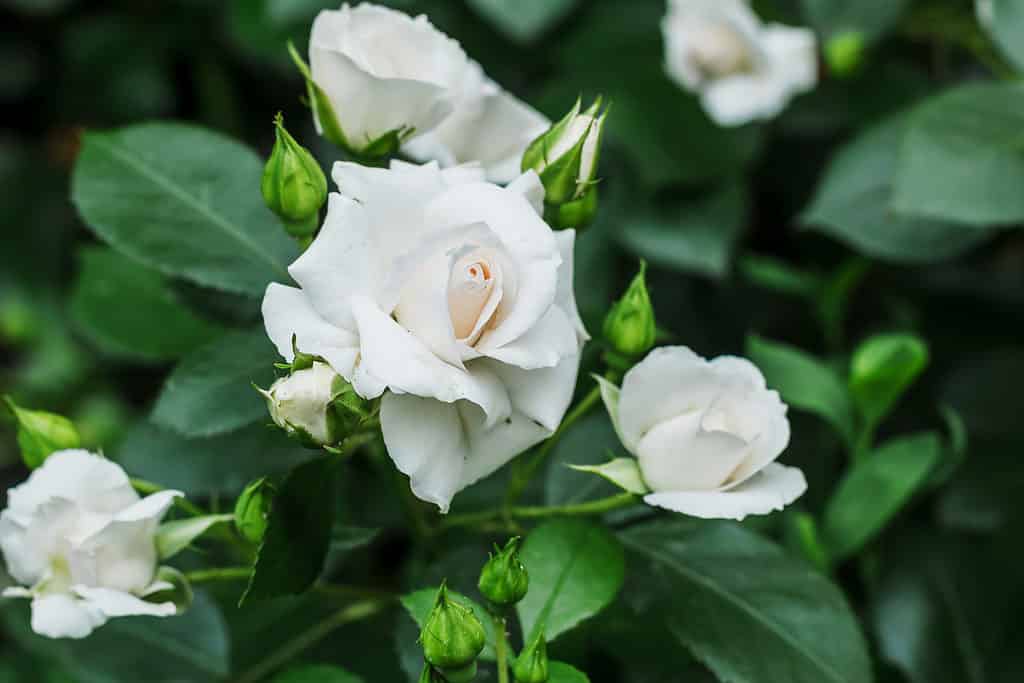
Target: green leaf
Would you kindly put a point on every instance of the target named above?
(131, 311)
(185, 201)
(882, 368)
(693, 237)
(623, 472)
(962, 158)
(779, 276)
(316, 673)
(804, 382)
(298, 535)
(870, 19)
(205, 467)
(1004, 20)
(876, 489)
(743, 607)
(852, 204)
(419, 603)
(525, 20)
(173, 537)
(210, 392)
(563, 673)
(40, 434)
(576, 569)
(190, 647)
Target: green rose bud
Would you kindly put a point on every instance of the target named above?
(452, 637)
(844, 53)
(565, 157)
(253, 508)
(629, 327)
(293, 185)
(532, 664)
(429, 675)
(504, 580)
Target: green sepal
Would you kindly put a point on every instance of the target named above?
(576, 214)
(252, 509)
(40, 434)
(536, 154)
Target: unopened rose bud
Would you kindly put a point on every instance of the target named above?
(565, 156)
(252, 509)
(300, 404)
(629, 327)
(452, 637)
(532, 664)
(293, 185)
(504, 580)
(844, 53)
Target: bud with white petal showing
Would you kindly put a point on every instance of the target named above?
(316, 405)
(293, 184)
(565, 157)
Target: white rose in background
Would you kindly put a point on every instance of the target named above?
(81, 543)
(390, 79)
(705, 434)
(452, 294)
(743, 70)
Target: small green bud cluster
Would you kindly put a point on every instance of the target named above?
(629, 328)
(293, 184)
(565, 157)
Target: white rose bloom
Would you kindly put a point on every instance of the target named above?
(453, 295)
(743, 70)
(81, 543)
(705, 434)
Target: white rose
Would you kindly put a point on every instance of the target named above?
(301, 401)
(382, 70)
(705, 434)
(453, 294)
(742, 69)
(81, 543)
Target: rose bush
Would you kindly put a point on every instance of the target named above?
(81, 543)
(705, 434)
(452, 298)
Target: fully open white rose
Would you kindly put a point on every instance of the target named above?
(705, 434)
(743, 70)
(453, 295)
(81, 543)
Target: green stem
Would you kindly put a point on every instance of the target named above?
(521, 478)
(219, 574)
(593, 507)
(501, 648)
(148, 487)
(357, 611)
(332, 590)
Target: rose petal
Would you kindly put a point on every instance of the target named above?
(550, 340)
(679, 455)
(59, 615)
(544, 394)
(114, 603)
(565, 296)
(530, 186)
(85, 478)
(774, 487)
(287, 312)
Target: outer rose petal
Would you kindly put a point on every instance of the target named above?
(85, 478)
(59, 615)
(287, 312)
(771, 489)
(530, 186)
(678, 455)
(565, 296)
(114, 603)
(544, 394)
(445, 447)
(404, 364)
(543, 346)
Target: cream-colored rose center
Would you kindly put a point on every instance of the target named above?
(720, 50)
(470, 287)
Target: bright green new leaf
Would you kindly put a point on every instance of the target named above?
(876, 489)
(623, 472)
(576, 569)
(41, 433)
(210, 392)
(743, 607)
(131, 311)
(174, 536)
(882, 368)
(181, 199)
(298, 535)
(804, 382)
